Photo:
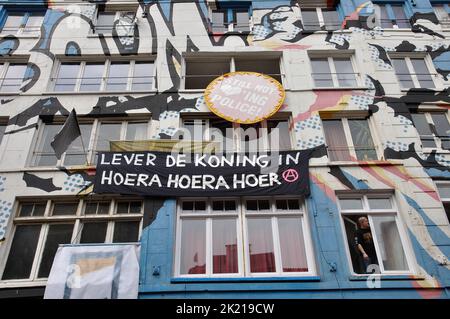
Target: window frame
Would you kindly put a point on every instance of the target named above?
(117, 10)
(91, 146)
(334, 75)
(412, 72)
(444, 200)
(392, 16)
(105, 74)
(5, 64)
(367, 211)
(264, 139)
(437, 140)
(348, 136)
(320, 17)
(232, 68)
(229, 26)
(22, 29)
(242, 237)
(47, 219)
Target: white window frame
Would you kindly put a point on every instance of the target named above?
(77, 220)
(444, 200)
(437, 140)
(401, 227)
(412, 71)
(23, 27)
(333, 72)
(91, 145)
(263, 140)
(105, 76)
(4, 70)
(349, 138)
(232, 68)
(439, 10)
(242, 237)
(320, 18)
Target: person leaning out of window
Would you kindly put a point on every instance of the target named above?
(364, 243)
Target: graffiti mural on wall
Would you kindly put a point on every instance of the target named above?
(158, 28)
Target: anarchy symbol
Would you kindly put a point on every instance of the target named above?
(290, 175)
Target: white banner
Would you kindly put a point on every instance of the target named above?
(94, 272)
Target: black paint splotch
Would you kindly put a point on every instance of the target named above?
(45, 184)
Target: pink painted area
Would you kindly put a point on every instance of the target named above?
(244, 97)
(292, 47)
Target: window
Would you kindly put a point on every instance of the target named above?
(413, 73)
(202, 71)
(40, 226)
(96, 136)
(11, 76)
(433, 129)
(393, 16)
(443, 14)
(320, 19)
(444, 193)
(107, 76)
(230, 19)
(333, 72)
(383, 239)
(349, 140)
(243, 238)
(107, 19)
(3, 125)
(23, 23)
(272, 134)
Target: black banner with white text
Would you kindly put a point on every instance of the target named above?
(196, 174)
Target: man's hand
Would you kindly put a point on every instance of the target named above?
(365, 256)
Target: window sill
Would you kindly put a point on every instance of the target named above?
(22, 284)
(22, 36)
(101, 92)
(244, 279)
(437, 150)
(385, 277)
(359, 88)
(10, 93)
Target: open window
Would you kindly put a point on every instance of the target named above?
(433, 129)
(375, 235)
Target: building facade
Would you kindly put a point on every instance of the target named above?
(370, 80)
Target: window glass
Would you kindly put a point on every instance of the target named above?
(362, 140)
(118, 76)
(126, 232)
(136, 131)
(403, 73)
(32, 209)
(321, 73)
(12, 23)
(331, 19)
(389, 243)
(424, 130)
(194, 130)
(444, 190)
(336, 141)
(225, 250)
(293, 253)
(67, 77)
(58, 234)
(21, 254)
(380, 203)
(193, 247)
(105, 22)
(2, 131)
(44, 154)
(200, 73)
(77, 151)
(96, 208)
(93, 233)
(242, 21)
(400, 17)
(422, 73)
(260, 245)
(442, 126)
(350, 203)
(92, 77)
(269, 67)
(13, 78)
(279, 137)
(64, 209)
(142, 76)
(345, 72)
(310, 20)
(221, 132)
(107, 132)
(219, 21)
(34, 22)
(386, 22)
